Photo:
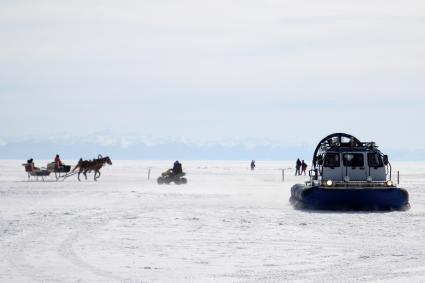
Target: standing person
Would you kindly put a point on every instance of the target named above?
(252, 164)
(298, 167)
(58, 162)
(303, 167)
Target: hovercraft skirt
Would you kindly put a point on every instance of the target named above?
(365, 199)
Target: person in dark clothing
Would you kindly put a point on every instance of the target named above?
(298, 167)
(177, 168)
(303, 167)
(252, 164)
(30, 163)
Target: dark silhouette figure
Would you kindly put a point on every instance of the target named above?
(31, 166)
(252, 164)
(298, 167)
(174, 174)
(177, 168)
(87, 166)
(303, 167)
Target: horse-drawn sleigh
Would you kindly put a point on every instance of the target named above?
(62, 171)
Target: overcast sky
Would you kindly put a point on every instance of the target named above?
(291, 71)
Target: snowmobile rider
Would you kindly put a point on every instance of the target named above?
(177, 168)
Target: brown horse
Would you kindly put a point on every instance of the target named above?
(87, 166)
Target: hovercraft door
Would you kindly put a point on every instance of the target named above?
(354, 166)
(376, 167)
(332, 169)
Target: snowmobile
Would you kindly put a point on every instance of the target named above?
(168, 176)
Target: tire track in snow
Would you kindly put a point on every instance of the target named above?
(36, 253)
(66, 249)
(18, 253)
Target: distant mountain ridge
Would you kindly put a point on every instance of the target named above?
(167, 149)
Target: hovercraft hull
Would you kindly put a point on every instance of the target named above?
(360, 199)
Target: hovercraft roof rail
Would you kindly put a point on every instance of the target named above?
(336, 141)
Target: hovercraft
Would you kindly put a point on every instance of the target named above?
(348, 174)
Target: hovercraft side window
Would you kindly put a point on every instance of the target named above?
(374, 160)
(331, 160)
(353, 159)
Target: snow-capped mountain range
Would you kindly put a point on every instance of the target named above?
(133, 146)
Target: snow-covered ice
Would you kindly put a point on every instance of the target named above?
(228, 224)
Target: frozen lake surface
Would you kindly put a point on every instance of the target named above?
(228, 224)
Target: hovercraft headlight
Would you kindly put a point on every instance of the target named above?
(389, 183)
(329, 183)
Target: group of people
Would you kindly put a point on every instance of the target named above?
(300, 167)
(57, 161)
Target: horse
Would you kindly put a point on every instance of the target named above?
(87, 166)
